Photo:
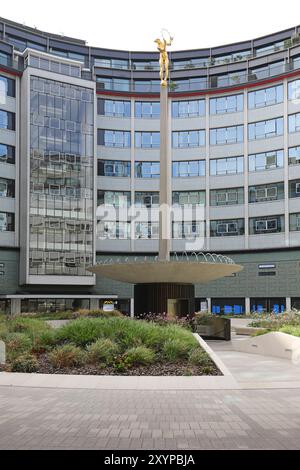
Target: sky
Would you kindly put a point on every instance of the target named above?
(134, 24)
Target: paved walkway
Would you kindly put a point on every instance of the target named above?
(33, 418)
(254, 370)
(257, 407)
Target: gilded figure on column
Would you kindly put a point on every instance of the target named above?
(164, 59)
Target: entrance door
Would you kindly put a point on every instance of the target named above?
(172, 307)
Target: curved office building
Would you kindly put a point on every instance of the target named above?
(79, 128)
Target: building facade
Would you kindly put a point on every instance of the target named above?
(79, 129)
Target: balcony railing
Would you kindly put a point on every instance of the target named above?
(205, 83)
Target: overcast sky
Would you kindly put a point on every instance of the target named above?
(134, 24)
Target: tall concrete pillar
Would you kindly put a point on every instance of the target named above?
(132, 307)
(247, 306)
(165, 201)
(94, 304)
(15, 306)
(208, 304)
(288, 304)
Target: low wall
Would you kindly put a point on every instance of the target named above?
(274, 344)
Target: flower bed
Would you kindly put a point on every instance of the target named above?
(103, 346)
(286, 323)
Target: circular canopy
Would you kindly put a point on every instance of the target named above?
(183, 272)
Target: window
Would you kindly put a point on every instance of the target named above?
(147, 230)
(182, 109)
(110, 138)
(226, 197)
(113, 230)
(294, 123)
(113, 108)
(7, 88)
(197, 83)
(226, 166)
(7, 120)
(185, 169)
(191, 63)
(294, 90)
(188, 229)
(147, 139)
(54, 66)
(268, 224)
(147, 109)
(7, 154)
(5, 59)
(7, 222)
(7, 187)
(147, 86)
(147, 169)
(183, 198)
(267, 273)
(185, 139)
(294, 155)
(227, 135)
(147, 199)
(267, 71)
(118, 84)
(113, 198)
(266, 160)
(265, 129)
(265, 97)
(225, 228)
(228, 79)
(111, 63)
(226, 104)
(145, 65)
(267, 192)
(113, 168)
(294, 188)
(295, 222)
(228, 306)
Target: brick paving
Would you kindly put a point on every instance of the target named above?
(45, 418)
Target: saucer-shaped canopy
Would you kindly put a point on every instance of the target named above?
(181, 272)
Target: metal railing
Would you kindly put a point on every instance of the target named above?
(205, 83)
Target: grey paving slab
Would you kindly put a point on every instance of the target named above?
(122, 419)
(256, 371)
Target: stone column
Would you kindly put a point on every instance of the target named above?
(288, 304)
(94, 304)
(165, 231)
(247, 306)
(15, 306)
(132, 307)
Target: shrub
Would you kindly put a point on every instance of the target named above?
(3, 331)
(291, 330)
(207, 370)
(30, 326)
(26, 363)
(175, 349)
(81, 332)
(97, 313)
(198, 357)
(43, 341)
(103, 350)
(17, 343)
(139, 356)
(66, 356)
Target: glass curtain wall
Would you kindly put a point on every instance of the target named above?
(61, 178)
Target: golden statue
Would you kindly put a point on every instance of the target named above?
(164, 59)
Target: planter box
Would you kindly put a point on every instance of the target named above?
(214, 328)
